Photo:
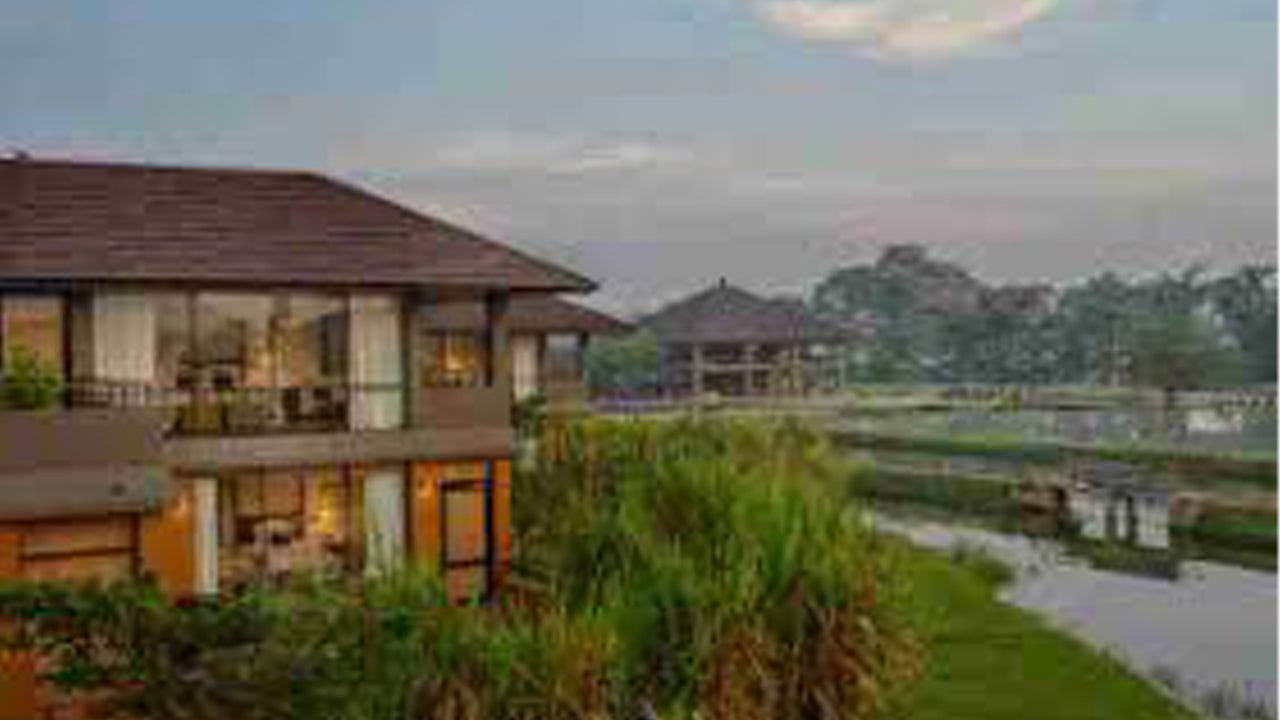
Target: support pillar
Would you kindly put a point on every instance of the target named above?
(749, 361)
(696, 370)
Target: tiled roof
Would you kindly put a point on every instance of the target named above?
(63, 220)
(528, 313)
(725, 313)
(557, 315)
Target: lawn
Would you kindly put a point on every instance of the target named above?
(991, 661)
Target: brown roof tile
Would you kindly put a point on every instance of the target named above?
(530, 314)
(62, 220)
(548, 314)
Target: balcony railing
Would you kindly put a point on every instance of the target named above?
(239, 411)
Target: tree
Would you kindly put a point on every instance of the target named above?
(622, 366)
(1245, 302)
(905, 298)
(1176, 346)
(29, 383)
(1095, 325)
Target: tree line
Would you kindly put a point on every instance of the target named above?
(920, 319)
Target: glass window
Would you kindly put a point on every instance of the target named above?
(276, 523)
(454, 359)
(312, 341)
(33, 325)
(464, 507)
(233, 340)
(175, 357)
(564, 357)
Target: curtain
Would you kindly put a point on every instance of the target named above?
(384, 507)
(204, 498)
(376, 363)
(124, 337)
(524, 372)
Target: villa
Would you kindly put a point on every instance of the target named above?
(262, 372)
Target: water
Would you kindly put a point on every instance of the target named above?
(1213, 624)
(1221, 429)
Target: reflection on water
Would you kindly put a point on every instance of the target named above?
(1212, 623)
(1220, 429)
(1137, 516)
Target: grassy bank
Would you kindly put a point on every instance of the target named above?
(1244, 529)
(1196, 467)
(992, 661)
(963, 494)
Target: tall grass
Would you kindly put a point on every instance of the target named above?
(718, 552)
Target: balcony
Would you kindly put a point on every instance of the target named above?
(80, 462)
(243, 411)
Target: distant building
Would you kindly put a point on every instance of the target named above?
(731, 342)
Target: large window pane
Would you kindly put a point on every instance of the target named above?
(277, 523)
(564, 358)
(33, 325)
(312, 341)
(233, 340)
(175, 356)
(454, 359)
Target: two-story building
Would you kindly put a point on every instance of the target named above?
(260, 376)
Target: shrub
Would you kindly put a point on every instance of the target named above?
(721, 554)
(29, 383)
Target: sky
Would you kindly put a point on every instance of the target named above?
(658, 145)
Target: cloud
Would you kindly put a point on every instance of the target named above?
(912, 30)
(552, 154)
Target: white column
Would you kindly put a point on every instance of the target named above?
(124, 337)
(376, 363)
(384, 518)
(204, 493)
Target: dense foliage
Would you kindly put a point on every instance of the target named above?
(679, 569)
(622, 366)
(734, 580)
(28, 383)
(930, 320)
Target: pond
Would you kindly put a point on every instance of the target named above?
(1203, 428)
(1212, 624)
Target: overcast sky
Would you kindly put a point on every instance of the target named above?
(657, 145)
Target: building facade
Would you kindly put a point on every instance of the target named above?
(257, 377)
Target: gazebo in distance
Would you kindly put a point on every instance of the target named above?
(731, 342)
